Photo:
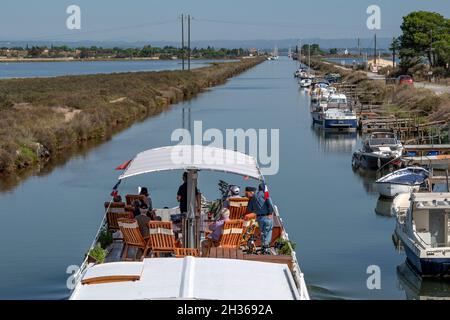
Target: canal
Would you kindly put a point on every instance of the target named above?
(50, 220)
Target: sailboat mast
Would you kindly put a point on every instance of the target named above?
(300, 54)
(309, 59)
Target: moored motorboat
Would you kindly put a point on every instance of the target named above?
(340, 119)
(425, 233)
(174, 269)
(305, 82)
(379, 149)
(403, 180)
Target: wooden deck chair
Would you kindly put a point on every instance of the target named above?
(232, 234)
(114, 212)
(132, 237)
(238, 207)
(130, 198)
(162, 238)
(183, 252)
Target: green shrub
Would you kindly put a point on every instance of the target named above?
(283, 246)
(98, 253)
(105, 239)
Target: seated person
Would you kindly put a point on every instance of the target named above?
(233, 192)
(138, 211)
(217, 229)
(146, 203)
(143, 219)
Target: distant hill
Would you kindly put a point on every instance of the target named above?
(282, 44)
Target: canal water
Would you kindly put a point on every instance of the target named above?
(63, 68)
(331, 212)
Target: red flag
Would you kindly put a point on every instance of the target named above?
(266, 191)
(123, 166)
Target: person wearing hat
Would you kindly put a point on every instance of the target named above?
(233, 192)
(263, 209)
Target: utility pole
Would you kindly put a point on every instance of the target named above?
(189, 42)
(375, 52)
(394, 48)
(182, 41)
(309, 59)
(359, 46)
(431, 48)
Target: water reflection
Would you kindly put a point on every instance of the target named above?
(384, 207)
(367, 178)
(9, 182)
(418, 288)
(342, 142)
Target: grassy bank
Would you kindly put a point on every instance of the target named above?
(400, 101)
(40, 118)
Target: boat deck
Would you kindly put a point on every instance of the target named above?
(115, 250)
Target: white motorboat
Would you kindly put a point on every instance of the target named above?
(305, 82)
(402, 181)
(400, 204)
(337, 100)
(425, 233)
(180, 273)
(379, 149)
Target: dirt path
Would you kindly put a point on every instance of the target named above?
(438, 89)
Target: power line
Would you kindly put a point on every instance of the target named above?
(281, 24)
(81, 32)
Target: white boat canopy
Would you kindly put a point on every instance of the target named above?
(188, 278)
(192, 157)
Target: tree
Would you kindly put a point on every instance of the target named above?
(421, 31)
(333, 51)
(395, 47)
(315, 49)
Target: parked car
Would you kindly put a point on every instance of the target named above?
(404, 79)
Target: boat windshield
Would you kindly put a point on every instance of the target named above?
(382, 141)
(340, 101)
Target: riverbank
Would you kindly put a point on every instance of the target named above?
(394, 100)
(71, 59)
(41, 118)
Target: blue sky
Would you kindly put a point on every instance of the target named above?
(135, 20)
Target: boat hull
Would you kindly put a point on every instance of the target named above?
(369, 162)
(391, 190)
(341, 124)
(428, 266)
